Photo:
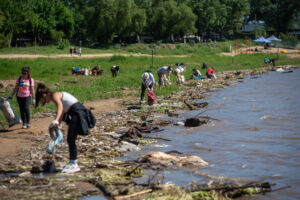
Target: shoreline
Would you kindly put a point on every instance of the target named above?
(100, 173)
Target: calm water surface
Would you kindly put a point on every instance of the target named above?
(257, 137)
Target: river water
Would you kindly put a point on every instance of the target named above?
(257, 137)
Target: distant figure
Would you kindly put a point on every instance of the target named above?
(96, 70)
(196, 74)
(114, 70)
(74, 51)
(204, 66)
(210, 73)
(147, 83)
(79, 52)
(266, 61)
(179, 74)
(77, 70)
(162, 78)
(71, 51)
(272, 60)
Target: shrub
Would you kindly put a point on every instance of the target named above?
(3, 41)
(63, 43)
(56, 36)
(259, 33)
(288, 37)
(117, 58)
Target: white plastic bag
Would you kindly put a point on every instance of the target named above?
(9, 113)
(182, 79)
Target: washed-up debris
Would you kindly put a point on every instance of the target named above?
(229, 190)
(169, 160)
(200, 105)
(134, 107)
(171, 114)
(196, 121)
(179, 123)
(126, 146)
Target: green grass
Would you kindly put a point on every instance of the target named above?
(56, 72)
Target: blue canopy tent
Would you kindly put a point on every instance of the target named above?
(262, 40)
(273, 38)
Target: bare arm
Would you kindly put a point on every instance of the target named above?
(32, 92)
(57, 96)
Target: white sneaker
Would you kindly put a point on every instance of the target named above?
(71, 168)
(24, 126)
(27, 125)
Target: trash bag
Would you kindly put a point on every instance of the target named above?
(55, 140)
(151, 97)
(182, 79)
(8, 112)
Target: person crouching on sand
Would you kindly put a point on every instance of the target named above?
(68, 109)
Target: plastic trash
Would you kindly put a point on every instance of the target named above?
(151, 97)
(55, 140)
(182, 79)
(9, 113)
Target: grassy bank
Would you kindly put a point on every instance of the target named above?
(56, 72)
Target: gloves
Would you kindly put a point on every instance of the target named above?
(54, 123)
(10, 98)
(33, 101)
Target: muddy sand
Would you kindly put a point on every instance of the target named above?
(122, 125)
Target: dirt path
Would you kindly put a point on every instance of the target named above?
(103, 55)
(18, 139)
(291, 53)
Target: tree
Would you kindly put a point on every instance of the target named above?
(276, 14)
(169, 18)
(100, 16)
(236, 10)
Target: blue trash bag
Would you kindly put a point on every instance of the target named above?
(55, 140)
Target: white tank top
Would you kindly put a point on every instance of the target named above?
(67, 101)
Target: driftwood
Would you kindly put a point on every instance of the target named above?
(188, 105)
(201, 105)
(158, 138)
(132, 195)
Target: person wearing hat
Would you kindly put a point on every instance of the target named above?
(24, 89)
(147, 82)
(162, 75)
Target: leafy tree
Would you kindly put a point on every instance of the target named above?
(14, 19)
(100, 16)
(169, 18)
(236, 10)
(64, 19)
(276, 14)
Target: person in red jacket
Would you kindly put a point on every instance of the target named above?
(210, 73)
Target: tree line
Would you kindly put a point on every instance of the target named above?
(100, 20)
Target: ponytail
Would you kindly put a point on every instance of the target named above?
(40, 90)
